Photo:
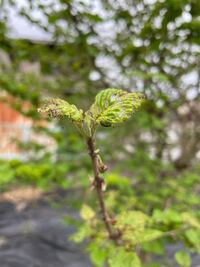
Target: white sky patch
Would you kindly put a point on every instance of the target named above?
(172, 135)
(95, 76)
(108, 64)
(160, 103)
(150, 2)
(191, 80)
(21, 28)
(191, 93)
(175, 153)
(186, 16)
(106, 29)
(198, 154)
(137, 42)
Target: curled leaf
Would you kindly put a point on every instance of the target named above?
(57, 108)
(113, 106)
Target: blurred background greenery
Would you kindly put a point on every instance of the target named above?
(72, 49)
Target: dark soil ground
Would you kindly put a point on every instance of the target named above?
(32, 234)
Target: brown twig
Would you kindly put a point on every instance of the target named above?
(98, 185)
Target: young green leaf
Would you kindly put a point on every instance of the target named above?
(113, 106)
(83, 232)
(87, 213)
(133, 225)
(98, 251)
(190, 220)
(132, 219)
(193, 236)
(56, 108)
(135, 237)
(119, 257)
(182, 258)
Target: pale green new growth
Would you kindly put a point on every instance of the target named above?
(86, 213)
(111, 107)
(55, 108)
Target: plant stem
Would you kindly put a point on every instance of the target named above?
(98, 183)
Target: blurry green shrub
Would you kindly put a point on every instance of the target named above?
(7, 175)
(45, 175)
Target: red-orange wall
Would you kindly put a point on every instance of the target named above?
(12, 126)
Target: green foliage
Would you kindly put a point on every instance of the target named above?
(102, 253)
(132, 220)
(113, 106)
(182, 258)
(82, 234)
(98, 253)
(192, 237)
(87, 213)
(134, 227)
(116, 181)
(44, 174)
(153, 228)
(56, 108)
(120, 257)
(7, 175)
(101, 250)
